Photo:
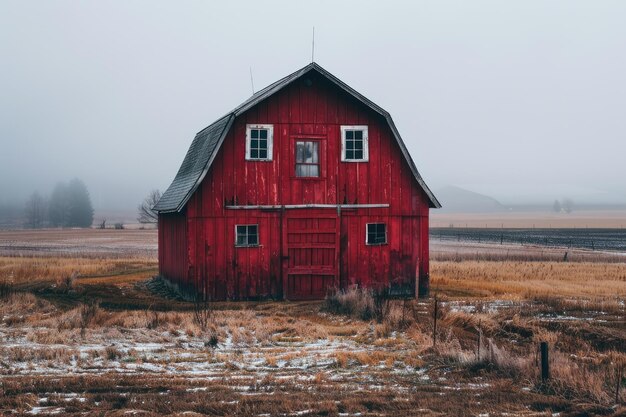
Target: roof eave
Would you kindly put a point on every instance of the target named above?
(218, 146)
(205, 170)
(433, 202)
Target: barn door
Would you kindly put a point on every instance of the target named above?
(310, 258)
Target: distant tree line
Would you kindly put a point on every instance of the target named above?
(566, 205)
(11, 215)
(69, 205)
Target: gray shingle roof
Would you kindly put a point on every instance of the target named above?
(208, 141)
(197, 161)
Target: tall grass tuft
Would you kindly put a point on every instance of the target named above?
(6, 289)
(66, 283)
(88, 312)
(202, 312)
(361, 303)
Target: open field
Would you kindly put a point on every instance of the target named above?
(613, 240)
(595, 219)
(453, 250)
(79, 243)
(93, 333)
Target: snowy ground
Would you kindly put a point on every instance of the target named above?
(111, 345)
(293, 361)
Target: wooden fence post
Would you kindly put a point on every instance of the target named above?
(480, 333)
(545, 364)
(619, 374)
(435, 322)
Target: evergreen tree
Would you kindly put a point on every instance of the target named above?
(80, 208)
(35, 211)
(70, 205)
(59, 206)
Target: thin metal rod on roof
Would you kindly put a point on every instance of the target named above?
(251, 80)
(313, 46)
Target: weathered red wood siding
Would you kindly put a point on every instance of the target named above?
(224, 272)
(173, 259)
(300, 111)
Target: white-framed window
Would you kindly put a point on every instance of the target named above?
(246, 235)
(259, 142)
(376, 234)
(354, 146)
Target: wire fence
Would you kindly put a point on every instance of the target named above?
(613, 240)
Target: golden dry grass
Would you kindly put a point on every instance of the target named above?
(263, 346)
(21, 270)
(529, 279)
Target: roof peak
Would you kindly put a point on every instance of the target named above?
(210, 139)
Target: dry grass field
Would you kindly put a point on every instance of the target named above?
(526, 280)
(92, 333)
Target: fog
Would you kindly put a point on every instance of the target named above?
(524, 101)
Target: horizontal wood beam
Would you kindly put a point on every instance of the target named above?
(306, 206)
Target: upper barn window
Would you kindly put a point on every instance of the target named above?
(307, 159)
(259, 142)
(354, 144)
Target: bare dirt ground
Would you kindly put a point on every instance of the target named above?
(79, 242)
(92, 333)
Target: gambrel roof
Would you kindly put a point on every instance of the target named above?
(208, 141)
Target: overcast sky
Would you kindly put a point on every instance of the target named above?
(525, 100)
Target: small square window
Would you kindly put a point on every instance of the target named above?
(354, 146)
(376, 234)
(259, 142)
(247, 235)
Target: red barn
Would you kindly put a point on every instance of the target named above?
(305, 187)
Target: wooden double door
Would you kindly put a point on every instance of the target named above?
(310, 253)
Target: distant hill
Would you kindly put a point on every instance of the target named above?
(459, 200)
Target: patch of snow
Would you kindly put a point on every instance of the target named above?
(196, 389)
(47, 410)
